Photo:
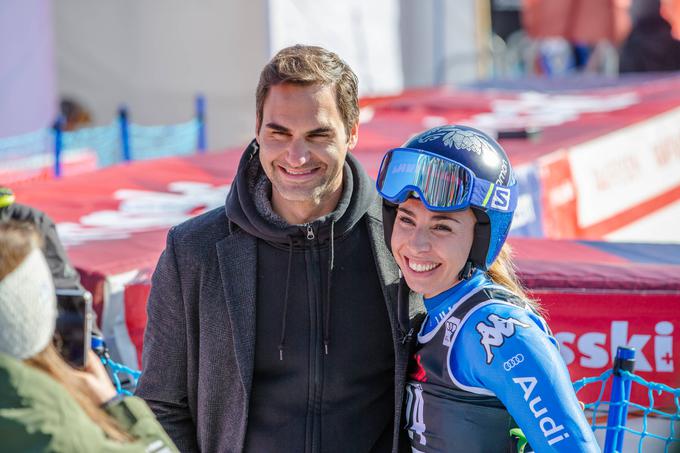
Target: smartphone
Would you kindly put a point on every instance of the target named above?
(72, 336)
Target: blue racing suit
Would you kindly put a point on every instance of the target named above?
(485, 363)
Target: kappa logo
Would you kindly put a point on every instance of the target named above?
(451, 327)
(501, 199)
(494, 335)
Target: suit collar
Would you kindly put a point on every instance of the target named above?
(237, 256)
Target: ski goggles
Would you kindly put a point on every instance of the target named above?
(440, 183)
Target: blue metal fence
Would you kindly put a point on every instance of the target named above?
(120, 141)
(622, 380)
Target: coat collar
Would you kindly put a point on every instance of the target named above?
(237, 255)
(388, 272)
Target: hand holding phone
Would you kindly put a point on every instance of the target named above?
(72, 336)
(94, 379)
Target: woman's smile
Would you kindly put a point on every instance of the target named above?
(420, 266)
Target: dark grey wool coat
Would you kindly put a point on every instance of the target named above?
(200, 338)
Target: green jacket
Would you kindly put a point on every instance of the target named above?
(38, 415)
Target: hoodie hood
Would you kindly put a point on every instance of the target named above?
(248, 204)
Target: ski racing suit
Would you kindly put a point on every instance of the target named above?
(486, 363)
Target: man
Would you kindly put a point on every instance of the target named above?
(272, 322)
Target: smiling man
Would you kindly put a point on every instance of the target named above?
(303, 144)
(272, 321)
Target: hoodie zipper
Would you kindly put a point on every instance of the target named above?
(313, 429)
(310, 231)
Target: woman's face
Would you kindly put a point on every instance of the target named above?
(430, 247)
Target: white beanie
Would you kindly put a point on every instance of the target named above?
(28, 308)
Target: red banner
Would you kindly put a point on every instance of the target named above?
(136, 296)
(590, 326)
(558, 196)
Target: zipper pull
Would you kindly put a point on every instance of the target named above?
(310, 232)
(407, 337)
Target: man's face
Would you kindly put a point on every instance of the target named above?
(303, 144)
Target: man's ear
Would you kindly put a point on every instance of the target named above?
(353, 136)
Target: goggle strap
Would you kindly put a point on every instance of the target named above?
(488, 195)
(481, 193)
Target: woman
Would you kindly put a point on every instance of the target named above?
(45, 405)
(485, 361)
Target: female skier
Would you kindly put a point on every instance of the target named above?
(485, 362)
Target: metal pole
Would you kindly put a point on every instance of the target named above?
(200, 116)
(618, 408)
(124, 133)
(58, 144)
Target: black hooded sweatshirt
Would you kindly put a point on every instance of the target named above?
(324, 355)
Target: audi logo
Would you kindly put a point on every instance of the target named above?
(513, 362)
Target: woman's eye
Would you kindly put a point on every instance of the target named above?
(405, 220)
(442, 228)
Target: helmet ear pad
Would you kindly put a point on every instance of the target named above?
(480, 242)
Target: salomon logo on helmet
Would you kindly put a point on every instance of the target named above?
(501, 199)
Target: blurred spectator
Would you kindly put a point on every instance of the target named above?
(74, 114)
(45, 405)
(63, 273)
(650, 45)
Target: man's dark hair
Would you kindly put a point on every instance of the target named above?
(310, 65)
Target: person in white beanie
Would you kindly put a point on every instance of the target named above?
(46, 405)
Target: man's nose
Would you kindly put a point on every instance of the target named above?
(298, 154)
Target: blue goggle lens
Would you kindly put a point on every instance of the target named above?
(441, 183)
